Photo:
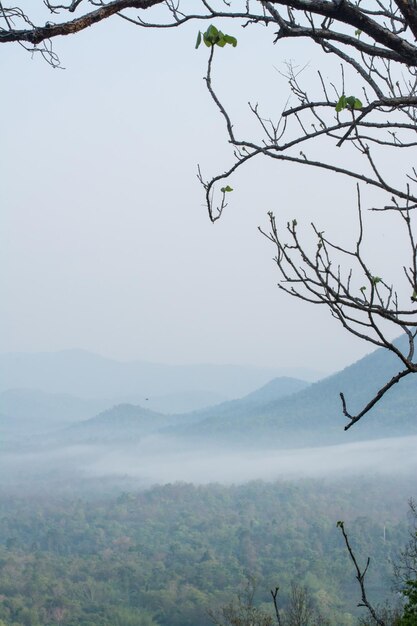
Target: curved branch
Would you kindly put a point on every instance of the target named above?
(341, 170)
(352, 15)
(355, 418)
(325, 35)
(38, 34)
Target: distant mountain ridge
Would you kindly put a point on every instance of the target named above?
(283, 413)
(27, 412)
(86, 375)
(313, 416)
(274, 390)
(58, 407)
(121, 422)
(124, 421)
(184, 402)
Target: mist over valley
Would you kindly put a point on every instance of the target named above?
(285, 428)
(164, 513)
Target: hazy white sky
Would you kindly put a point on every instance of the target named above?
(105, 243)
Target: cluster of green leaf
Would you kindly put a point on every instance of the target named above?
(214, 37)
(348, 102)
(165, 556)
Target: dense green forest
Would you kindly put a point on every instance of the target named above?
(166, 555)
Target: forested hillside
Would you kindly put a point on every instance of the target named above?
(126, 422)
(166, 555)
(313, 416)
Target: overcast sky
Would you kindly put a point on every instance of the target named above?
(105, 242)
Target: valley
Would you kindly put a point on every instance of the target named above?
(117, 514)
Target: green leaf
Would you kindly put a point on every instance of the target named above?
(376, 280)
(220, 41)
(214, 37)
(226, 189)
(362, 289)
(211, 32)
(198, 42)
(358, 32)
(294, 223)
(339, 524)
(351, 101)
(231, 40)
(207, 41)
(414, 296)
(341, 104)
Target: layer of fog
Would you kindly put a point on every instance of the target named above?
(158, 461)
(200, 466)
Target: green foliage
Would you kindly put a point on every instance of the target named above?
(226, 189)
(241, 611)
(123, 616)
(214, 37)
(164, 556)
(348, 102)
(410, 610)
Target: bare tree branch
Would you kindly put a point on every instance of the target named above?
(360, 576)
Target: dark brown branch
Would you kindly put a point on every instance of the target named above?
(409, 11)
(314, 279)
(39, 34)
(394, 380)
(212, 14)
(321, 35)
(274, 594)
(360, 576)
(339, 170)
(54, 8)
(352, 15)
